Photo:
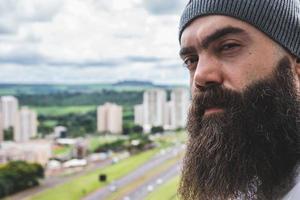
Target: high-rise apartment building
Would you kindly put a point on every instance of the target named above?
(180, 100)
(154, 102)
(109, 118)
(169, 122)
(26, 126)
(139, 115)
(9, 109)
(1, 129)
(156, 111)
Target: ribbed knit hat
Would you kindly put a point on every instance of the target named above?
(279, 19)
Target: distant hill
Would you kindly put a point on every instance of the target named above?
(133, 83)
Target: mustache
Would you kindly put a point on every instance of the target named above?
(216, 96)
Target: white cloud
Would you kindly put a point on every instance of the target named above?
(15, 13)
(76, 39)
(165, 6)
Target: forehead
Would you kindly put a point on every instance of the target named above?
(204, 26)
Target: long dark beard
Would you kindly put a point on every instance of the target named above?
(250, 150)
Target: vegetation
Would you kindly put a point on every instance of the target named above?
(81, 98)
(96, 141)
(121, 144)
(8, 134)
(19, 175)
(157, 129)
(77, 124)
(63, 110)
(62, 150)
(130, 128)
(81, 186)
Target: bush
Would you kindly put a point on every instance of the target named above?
(19, 175)
(9, 134)
(137, 129)
(118, 145)
(157, 129)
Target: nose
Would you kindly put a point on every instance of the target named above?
(208, 73)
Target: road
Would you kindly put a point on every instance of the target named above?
(142, 191)
(103, 193)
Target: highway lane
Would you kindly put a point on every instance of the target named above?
(160, 158)
(142, 191)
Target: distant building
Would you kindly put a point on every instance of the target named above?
(1, 129)
(32, 151)
(180, 100)
(169, 122)
(26, 126)
(154, 102)
(156, 111)
(60, 132)
(109, 118)
(9, 109)
(80, 149)
(139, 115)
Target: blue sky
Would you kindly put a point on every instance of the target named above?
(90, 41)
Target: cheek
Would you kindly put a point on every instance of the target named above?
(191, 78)
(248, 72)
(250, 76)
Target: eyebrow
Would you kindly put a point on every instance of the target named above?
(213, 37)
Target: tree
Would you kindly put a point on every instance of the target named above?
(127, 128)
(9, 133)
(19, 175)
(137, 129)
(157, 129)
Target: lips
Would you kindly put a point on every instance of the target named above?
(212, 110)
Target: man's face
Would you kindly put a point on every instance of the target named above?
(226, 51)
(244, 119)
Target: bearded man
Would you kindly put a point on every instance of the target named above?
(243, 57)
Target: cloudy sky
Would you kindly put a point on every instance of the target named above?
(90, 41)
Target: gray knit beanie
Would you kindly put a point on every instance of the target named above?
(279, 19)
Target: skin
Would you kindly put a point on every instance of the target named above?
(234, 59)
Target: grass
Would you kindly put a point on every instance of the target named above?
(95, 142)
(62, 150)
(146, 177)
(63, 110)
(167, 191)
(50, 123)
(79, 187)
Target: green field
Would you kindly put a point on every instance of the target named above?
(62, 150)
(63, 110)
(95, 142)
(79, 187)
(167, 191)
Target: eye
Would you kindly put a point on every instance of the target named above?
(190, 62)
(229, 46)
